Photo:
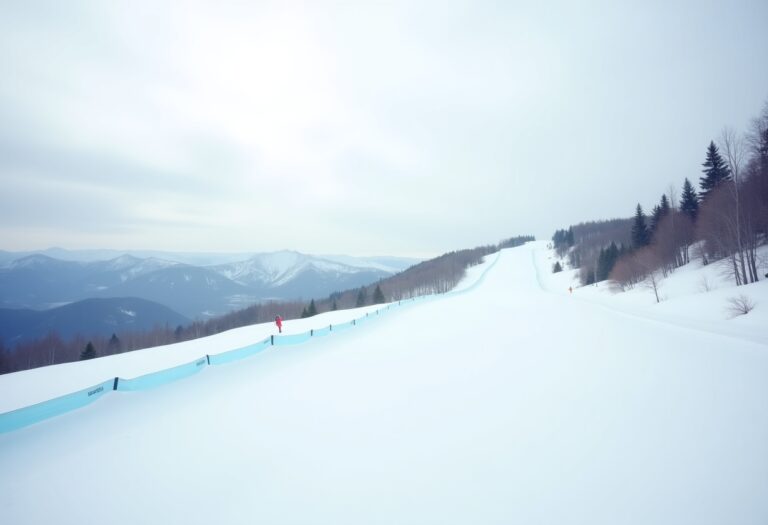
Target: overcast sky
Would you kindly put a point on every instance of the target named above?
(389, 128)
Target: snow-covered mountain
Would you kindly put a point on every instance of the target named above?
(39, 281)
(276, 269)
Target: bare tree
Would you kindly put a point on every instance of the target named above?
(740, 305)
(734, 151)
(648, 259)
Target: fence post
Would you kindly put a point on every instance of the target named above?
(208, 358)
(353, 322)
(272, 340)
(311, 332)
(114, 385)
(330, 327)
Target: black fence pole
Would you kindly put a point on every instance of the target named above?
(114, 385)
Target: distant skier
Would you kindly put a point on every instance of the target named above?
(570, 289)
(279, 323)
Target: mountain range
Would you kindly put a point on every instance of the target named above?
(38, 281)
(90, 317)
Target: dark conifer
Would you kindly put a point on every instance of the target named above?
(664, 205)
(557, 268)
(656, 215)
(715, 171)
(312, 310)
(88, 353)
(659, 211)
(606, 261)
(689, 201)
(361, 298)
(600, 272)
(114, 344)
(378, 296)
(640, 235)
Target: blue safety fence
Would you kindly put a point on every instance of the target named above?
(25, 416)
(240, 353)
(162, 377)
(22, 417)
(320, 332)
(343, 326)
(293, 339)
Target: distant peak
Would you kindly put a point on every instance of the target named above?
(33, 260)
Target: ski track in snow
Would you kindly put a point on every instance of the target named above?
(505, 404)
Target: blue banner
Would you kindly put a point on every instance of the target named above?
(294, 339)
(32, 414)
(163, 376)
(240, 353)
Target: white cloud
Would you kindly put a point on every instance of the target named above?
(399, 127)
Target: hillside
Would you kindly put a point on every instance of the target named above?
(88, 318)
(503, 404)
(693, 295)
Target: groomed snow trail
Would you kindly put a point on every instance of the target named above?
(507, 404)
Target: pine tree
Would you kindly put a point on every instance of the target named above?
(600, 271)
(715, 171)
(304, 313)
(664, 205)
(655, 219)
(689, 201)
(312, 309)
(334, 306)
(557, 268)
(606, 261)
(659, 212)
(114, 344)
(612, 255)
(378, 296)
(88, 353)
(361, 298)
(640, 235)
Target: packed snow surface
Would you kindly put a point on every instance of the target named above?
(506, 404)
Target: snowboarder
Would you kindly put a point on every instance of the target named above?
(279, 323)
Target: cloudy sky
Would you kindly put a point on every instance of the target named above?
(398, 128)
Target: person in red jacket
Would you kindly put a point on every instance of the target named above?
(279, 323)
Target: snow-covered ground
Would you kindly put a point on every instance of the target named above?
(694, 295)
(504, 404)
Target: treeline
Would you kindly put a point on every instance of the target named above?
(725, 220)
(584, 245)
(437, 275)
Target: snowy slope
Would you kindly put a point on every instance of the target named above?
(695, 296)
(506, 404)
